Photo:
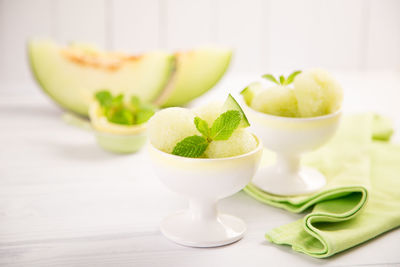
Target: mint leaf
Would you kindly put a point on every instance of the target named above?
(271, 78)
(116, 110)
(191, 147)
(224, 125)
(202, 126)
(120, 116)
(104, 98)
(144, 115)
(282, 80)
(118, 100)
(135, 102)
(244, 90)
(291, 77)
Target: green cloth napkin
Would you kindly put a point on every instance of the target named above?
(361, 198)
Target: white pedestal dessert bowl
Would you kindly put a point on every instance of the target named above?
(289, 138)
(204, 182)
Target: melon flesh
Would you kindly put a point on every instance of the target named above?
(71, 75)
(317, 93)
(197, 71)
(277, 100)
(240, 142)
(170, 126)
(209, 112)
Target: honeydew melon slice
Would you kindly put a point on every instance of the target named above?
(232, 104)
(71, 75)
(197, 71)
(251, 91)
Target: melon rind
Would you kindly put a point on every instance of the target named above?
(197, 71)
(232, 104)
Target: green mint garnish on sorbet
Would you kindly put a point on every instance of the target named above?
(282, 80)
(225, 124)
(104, 98)
(120, 116)
(191, 147)
(271, 78)
(291, 77)
(144, 114)
(117, 111)
(222, 128)
(135, 102)
(202, 127)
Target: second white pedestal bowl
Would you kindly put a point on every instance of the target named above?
(289, 138)
(204, 182)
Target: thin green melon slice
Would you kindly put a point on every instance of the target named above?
(251, 91)
(71, 75)
(197, 71)
(232, 104)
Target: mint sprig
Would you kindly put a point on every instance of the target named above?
(104, 98)
(291, 77)
(224, 125)
(191, 147)
(282, 80)
(120, 116)
(222, 129)
(116, 110)
(144, 114)
(270, 77)
(202, 127)
(135, 103)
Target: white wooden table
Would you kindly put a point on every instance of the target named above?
(65, 202)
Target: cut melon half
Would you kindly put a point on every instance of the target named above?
(197, 71)
(71, 75)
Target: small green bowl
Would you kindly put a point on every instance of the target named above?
(129, 141)
(121, 144)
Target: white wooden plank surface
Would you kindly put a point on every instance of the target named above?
(65, 202)
(384, 34)
(135, 25)
(240, 24)
(187, 24)
(21, 20)
(77, 20)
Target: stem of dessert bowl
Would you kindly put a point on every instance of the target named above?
(203, 209)
(287, 163)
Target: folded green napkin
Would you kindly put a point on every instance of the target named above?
(361, 198)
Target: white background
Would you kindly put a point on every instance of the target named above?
(267, 35)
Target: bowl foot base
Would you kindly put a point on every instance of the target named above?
(181, 228)
(305, 181)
